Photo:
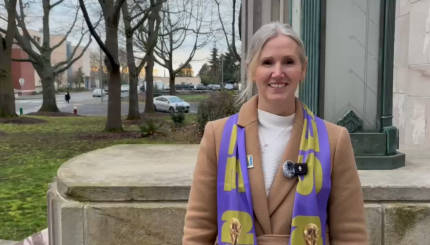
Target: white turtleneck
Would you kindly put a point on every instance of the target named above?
(274, 132)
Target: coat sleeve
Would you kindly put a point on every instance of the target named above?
(346, 206)
(201, 216)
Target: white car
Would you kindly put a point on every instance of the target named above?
(125, 88)
(228, 86)
(98, 92)
(170, 103)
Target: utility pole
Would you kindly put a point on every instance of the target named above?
(222, 71)
(101, 75)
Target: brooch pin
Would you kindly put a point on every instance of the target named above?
(235, 229)
(311, 234)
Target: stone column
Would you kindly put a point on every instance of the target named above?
(256, 13)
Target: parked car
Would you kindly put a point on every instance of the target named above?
(170, 103)
(184, 86)
(98, 92)
(228, 86)
(200, 87)
(216, 87)
(125, 88)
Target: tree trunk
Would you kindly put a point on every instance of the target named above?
(7, 95)
(113, 122)
(49, 103)
(149, 101)
(133, 101)
(172, 86)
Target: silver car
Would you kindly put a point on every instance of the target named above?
(170, 103)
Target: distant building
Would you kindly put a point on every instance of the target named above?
(63, 52)
(179, 80)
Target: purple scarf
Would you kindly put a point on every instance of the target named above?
(235, 212)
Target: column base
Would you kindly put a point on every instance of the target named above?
(381, 162)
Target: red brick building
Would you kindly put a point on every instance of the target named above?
(23, 70)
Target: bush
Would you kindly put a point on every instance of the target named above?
(151, 127)
(178, 117)
(217, 105)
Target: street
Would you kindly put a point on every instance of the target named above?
(85, 103)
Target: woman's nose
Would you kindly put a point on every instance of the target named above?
(277, 71)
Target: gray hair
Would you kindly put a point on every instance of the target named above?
(260, 37)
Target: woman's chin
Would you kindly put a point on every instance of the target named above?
(277, 98)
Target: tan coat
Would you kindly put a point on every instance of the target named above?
(273, 214)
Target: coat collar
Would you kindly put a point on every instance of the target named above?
(248, 113)
(265, 206)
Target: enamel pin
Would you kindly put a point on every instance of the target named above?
(250, 160)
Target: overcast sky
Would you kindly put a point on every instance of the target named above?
(63, 15)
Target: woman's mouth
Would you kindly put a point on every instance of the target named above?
(277, 85)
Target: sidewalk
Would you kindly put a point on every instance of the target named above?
(40, 96)
(4, 242)
(29, 97)
(40, 238)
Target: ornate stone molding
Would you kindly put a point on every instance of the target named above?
(351, 122)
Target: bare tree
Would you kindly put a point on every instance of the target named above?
(147, 40)
(111, 13)
(40, 53)
(129, 17)
(59, 79)
(7, 96)
(122, 59)
(78, 78)
(178, 23)
(95, 67)
(233, 34)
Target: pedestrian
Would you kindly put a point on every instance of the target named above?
(275, 173)
(67, 97)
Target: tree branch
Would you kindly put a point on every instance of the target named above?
(117, 9)
(55, 4)
(22, 60)
(231, 48)
(59, 64)
(140, 22)
(68, 32)
(94, 33)
(21, 23)
(71, 61)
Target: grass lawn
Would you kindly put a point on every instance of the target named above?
(193, 97)
(31, 154)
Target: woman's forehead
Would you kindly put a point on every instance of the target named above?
(279, 46)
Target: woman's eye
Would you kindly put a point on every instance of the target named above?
(289, 62)
(267, 62)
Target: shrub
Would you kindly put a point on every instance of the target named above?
(217, 105)
(150, 127)
(178, 117)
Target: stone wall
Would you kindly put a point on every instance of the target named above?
(411, 99)
(137, 194)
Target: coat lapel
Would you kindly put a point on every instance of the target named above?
(248, 118)
(281, 185)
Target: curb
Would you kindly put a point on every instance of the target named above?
(7, 242)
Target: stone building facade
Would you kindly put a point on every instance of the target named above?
(411, 100)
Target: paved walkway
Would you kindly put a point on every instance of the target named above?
(40, 238)
(4, 242)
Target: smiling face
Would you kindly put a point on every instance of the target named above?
(277, 74)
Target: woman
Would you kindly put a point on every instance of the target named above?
(244, 187)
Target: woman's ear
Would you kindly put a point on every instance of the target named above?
(305, 68)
